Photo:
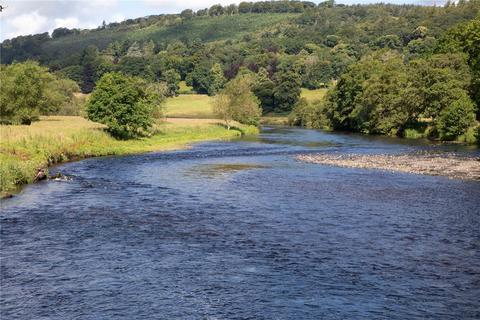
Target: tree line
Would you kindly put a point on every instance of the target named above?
(398, 70)
(432, 93)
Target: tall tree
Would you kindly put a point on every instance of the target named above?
(89, 62)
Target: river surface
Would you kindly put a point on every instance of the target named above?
(241, 230)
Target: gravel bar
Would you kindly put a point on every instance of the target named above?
(448, 165)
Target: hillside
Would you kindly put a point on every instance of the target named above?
(358, 26)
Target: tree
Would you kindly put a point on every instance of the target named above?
(287, 89)
(201, 79)
(136, 66)
(231, 9)
(134, 50)
(217, 79)
(263, 88)
(29, 90)
(237, 102)
(125, 104)
(215, 10)
(186, 14)
(223, 109)
(149, 49)
(466, 37)
(89, 62)
(455, 119)
(172, 79)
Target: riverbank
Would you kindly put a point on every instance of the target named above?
(26, 150)
(438, 165)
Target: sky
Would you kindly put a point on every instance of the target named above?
(24, 17)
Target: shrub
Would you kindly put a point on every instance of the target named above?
(237, 102)
(29, 90)
(455, 119)
(125, 104)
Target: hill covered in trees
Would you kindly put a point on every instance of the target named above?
(287, 45)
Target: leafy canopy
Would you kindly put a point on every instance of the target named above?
(125, 104)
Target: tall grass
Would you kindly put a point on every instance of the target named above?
(26, 149)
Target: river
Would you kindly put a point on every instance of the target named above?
(242, 230)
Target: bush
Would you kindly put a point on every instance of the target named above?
(29, 90)
(126, 105)
(455, 119)
(237, 102)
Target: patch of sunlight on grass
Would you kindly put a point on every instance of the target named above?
(313, 95)
(189, 106)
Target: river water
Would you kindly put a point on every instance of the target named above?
(241, 230)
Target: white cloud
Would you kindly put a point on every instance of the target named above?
(118, 17)
(179, 5)
(27, 23)
(70, 22)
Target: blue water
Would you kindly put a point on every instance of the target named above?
(241, 230)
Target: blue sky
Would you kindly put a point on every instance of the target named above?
(23, 17)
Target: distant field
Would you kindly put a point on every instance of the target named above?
(190, 106)
(313, 95)
(198, 106)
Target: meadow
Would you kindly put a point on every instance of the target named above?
(313, 95)
(196, 106)
(199, 106)
(24, 150)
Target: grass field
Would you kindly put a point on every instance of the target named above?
(196, 106)
(26, 149)
(313, 95)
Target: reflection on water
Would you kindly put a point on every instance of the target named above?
(241, 230)
(218, 169)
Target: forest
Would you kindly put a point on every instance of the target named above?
(400, 70)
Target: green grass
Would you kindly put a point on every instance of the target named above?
(190, 106)
(26, 149)
(313, 95)
(185, 89)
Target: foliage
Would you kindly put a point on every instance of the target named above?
(466, 37)
(383, 94)
(237, 102)
(287, 90)
(124, 104)
(89, 63)
(263, 89)
(456, 118)
(217, 79)
(201, 79)
(29, 90)
(172, 79)
(309, 114)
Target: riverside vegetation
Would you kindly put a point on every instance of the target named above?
(128, 119)
(54, 139)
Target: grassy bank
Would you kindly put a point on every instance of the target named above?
(26, 149)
